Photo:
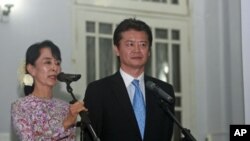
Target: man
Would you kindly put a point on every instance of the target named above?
(111, 100)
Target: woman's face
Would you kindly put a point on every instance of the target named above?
(46, 69)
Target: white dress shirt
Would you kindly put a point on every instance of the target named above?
(130, 87)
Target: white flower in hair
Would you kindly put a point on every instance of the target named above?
(23, 78)
(28, 80)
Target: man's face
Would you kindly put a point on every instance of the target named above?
(133, 50)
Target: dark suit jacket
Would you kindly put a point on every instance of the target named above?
(112, 116)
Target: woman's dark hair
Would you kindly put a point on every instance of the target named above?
(128, 24)
(33, 53)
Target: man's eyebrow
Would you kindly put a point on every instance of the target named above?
(47, 58)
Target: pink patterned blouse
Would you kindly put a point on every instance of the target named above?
(36, 119)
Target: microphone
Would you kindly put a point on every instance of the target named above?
(152, 86)
(64, 77)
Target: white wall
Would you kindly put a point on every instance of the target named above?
(218, 80)
(30, 21)
(245, 19)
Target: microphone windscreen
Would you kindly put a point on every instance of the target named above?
(60, 76)
(63, 77)
(151, 85)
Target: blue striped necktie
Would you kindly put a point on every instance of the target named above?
(139, 107)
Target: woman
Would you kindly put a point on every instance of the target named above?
(38, 116)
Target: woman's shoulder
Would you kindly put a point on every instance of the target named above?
(21, 100)
(20, 103)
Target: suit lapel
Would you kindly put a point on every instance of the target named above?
(149, 110)
(121, 94)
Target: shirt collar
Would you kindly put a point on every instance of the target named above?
(128, 78)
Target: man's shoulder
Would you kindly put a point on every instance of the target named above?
(156, 80)
(105, 80)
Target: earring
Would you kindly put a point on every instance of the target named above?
(28, 80)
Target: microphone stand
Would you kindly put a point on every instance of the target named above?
(85, 121)
(186, 132)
